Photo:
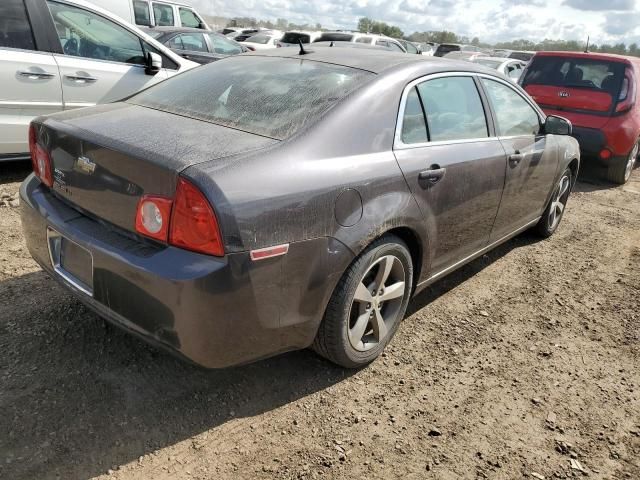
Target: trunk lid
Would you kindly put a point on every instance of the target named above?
(104, 159)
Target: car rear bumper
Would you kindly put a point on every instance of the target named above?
(214, 311)
(591, 141)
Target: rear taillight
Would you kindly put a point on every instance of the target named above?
(40, 158)
(186, 221)
(153, 217)
(627, 97)
(193, 223)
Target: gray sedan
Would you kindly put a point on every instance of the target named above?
(281, 200)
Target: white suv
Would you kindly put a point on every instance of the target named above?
(63, 54)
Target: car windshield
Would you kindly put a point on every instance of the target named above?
(294, 37)
(335, 37)
(593, 74)
(273, 97)
(261, 39)
(488, 63)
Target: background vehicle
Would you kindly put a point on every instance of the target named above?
(523, 55)
(364, 38)
(468, 56)
(148, 13)
(196, 45)
(247, 33)
(428, 48)
(508, 67)
(68, 54)
(598, 93)
(410, 47)
(445, 48)
(262, 41)
(382, 208)
(293, 38)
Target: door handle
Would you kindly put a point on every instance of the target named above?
(35, 75)
(81, 78)
(515, 158)
(433, 175)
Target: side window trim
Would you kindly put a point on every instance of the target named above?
(398, 144)
(541, 116)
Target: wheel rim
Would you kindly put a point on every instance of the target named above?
(376, 303)
(631, 161)
(559, 202)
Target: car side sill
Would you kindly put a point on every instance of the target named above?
(473, 256)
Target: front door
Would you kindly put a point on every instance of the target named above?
(102, 61)
(453, 164)
(532, 158)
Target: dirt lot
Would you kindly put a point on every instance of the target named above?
(515, 366)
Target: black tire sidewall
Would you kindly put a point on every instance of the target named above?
(544, 228)
(388, 246)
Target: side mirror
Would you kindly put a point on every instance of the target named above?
(555, 125)
(154, 63)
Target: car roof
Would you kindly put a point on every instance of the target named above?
(179, 30)
(596, 56)
(372, 60)
(499, 59)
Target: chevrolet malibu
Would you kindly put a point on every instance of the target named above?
(281, 200)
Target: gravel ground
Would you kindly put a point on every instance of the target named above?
(522, 364)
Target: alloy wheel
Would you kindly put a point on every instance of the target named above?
(377, 303)
(631, 161)
(559, 202)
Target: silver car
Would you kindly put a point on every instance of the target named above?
(67, 54)
(509, 67)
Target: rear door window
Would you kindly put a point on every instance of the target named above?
(188, 18)
(366, 40)
(15, 29)
(190, 41)
(454, 109)
(223, 45)
(514, 115)
(584, 73)
(163, 14)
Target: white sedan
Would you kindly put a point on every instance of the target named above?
(262, 41)
(509, 67)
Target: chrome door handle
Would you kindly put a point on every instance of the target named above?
(81, 78)
(433, 175)
(35, 75)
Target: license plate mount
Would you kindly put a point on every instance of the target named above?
(71, 261)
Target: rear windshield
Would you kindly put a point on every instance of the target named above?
(592, 74)
(261, 39)
(273, 97)
(292, 37)
(444, 49)
(335, 37)
(524, 56)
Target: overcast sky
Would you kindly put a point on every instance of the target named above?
(492, 20)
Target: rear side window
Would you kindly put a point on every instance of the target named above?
(414, 128)
(189, 41)
(141, 13)
(411, 48)
(454, 109)
(514, 114)
(223, 45)
(366, 40)
(592, 74)
(274, 97)
(163, 14)
(15, 29)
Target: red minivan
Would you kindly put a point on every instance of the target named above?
(597, 93)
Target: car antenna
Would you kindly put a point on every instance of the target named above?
(302, 50)
(331, 44)
(586, 49)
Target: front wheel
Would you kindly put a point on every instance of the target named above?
(367, 305)
(552, 215)
(620, 169)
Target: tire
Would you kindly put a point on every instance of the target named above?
(619, 171)
(346, 316)
(554, 212)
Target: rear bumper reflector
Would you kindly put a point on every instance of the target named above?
(275, 251)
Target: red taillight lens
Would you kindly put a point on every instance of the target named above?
(153, 217)
(193, 224)
(40, 159)
(627, 97)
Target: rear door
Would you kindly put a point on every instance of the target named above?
(30, 79)
(101, 61)
(532, 157)
(453, 163)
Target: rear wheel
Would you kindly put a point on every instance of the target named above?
(620, 169)
(552, 215)
(367, 305)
